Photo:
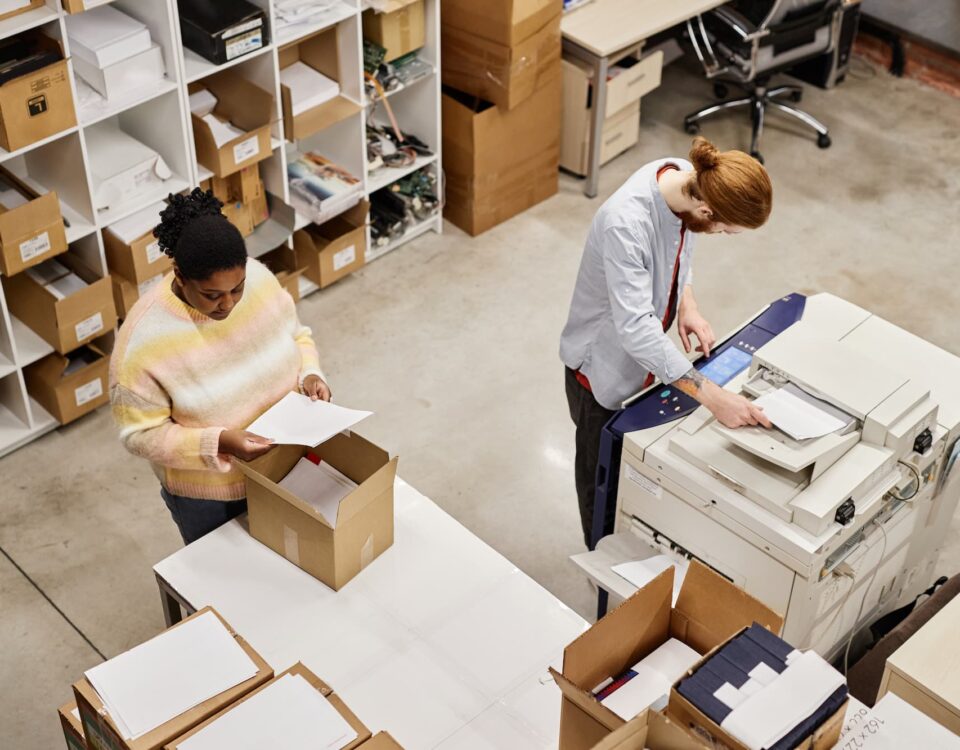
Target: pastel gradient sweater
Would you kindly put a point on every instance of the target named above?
(179, 378)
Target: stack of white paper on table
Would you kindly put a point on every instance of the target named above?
(295, 12)
(157, 681)
(136, 225)
(655, 674)
(289, 713)
(296, 420)
(309, 87)
(319, 485)
(641, 572)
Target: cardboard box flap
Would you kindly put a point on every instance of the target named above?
(354, 456)
(627, 634)
(710, 609)
(50, 368)
(25, 221)
(278, 463)
(585, 701)
(382, 741)
(381, 481)
(245, 104)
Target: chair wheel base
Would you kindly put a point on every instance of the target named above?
(823, 141)
(720, 91)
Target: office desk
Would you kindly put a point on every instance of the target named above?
(441, 640)
(601, 32)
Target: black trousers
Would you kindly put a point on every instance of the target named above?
(589, 417)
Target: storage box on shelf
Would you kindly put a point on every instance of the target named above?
(69, 386)
(334, 249)
(220, 31)
(286, 267)
(399, 26)
(31, 226)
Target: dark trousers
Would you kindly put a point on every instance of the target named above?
(589, 417)
(196, 518)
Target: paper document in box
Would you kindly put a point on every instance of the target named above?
(296, 420)
(320, 486)
(641, 572)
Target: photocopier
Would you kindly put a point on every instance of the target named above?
(833, 530)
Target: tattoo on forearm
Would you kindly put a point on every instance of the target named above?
(691, 382)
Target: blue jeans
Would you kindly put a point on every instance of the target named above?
(196, 518)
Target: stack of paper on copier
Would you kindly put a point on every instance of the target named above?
(157, 681)
(289, 713)
(765, 693)
(309, 87)
(319, 485)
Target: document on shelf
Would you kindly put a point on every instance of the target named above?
(290, 713)
(798, 418)
(157, 681)
(296, 420)
(641, 572)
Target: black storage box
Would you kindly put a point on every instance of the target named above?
(223, 30)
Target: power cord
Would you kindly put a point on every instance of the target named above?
(916, 475)
(873, 577)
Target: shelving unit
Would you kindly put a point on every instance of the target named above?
(159, 116)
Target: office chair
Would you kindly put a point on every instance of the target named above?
(747, 42)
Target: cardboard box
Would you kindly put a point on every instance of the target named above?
(506, 22)
(334, 249)
(651, 731)
(122, 77)
(72, 728)
(31, 233)
(282, 261)
(30, 5)
(244, 186)
(682, 711)
(68, 396)
(502, 74)
(259, 208)
(126, 293)
(223, 30)
(249, 108)
(709, 610)
(137, 261)
(240, 215)
(322, 53)
(382, 741)
(66, 323)
(102, 733)
(400, 29)
(499, 163)
(294, 529)
(363, 734)
(39, 104)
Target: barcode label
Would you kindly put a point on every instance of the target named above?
(154, 253)
(246, 150)
(89, 327)
(35, 246)
(244, 44)
(88, 392)
(344, 258)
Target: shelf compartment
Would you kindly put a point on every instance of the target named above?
(196, 67)
(30, 347)
(29, 20)
(98, 109)
(333, 16)
(386, 176)
(374, 253)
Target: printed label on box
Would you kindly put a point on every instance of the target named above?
(87, 328)
(246, 149)
(244, 44)
(154, 253)
(30, 249)
(345, 257)
(256, 23)
(88, 392)
(645, 484)
(145, 286)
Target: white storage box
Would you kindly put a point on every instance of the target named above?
(121, 165)
(104, 36)
(143, 69)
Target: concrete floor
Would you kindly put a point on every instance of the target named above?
(453, 342)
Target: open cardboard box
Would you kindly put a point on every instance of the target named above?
(334, 249)
(31, 233)
(38, 104)
(138, 261)
(282, 261)
(244, 186)
(249, 108)
(651, 730)
(126, 293)
(322, 53)
(400, 29)
(72, 728)
(102, 733)
(292, 528)
(65, 323)
(363, 734)
(69, 396)
(684, 713)
(709, 610)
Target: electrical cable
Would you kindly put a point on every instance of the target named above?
(844, 600)
(915, 474)
(856, 620)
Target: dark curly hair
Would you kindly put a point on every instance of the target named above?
(198, 237)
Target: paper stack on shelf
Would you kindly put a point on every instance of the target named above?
(121, 166)
(318, 187)
(309, 87)
(290, 13)
(56, 278)
(113, 52)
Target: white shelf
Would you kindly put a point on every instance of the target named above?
(43, 421)
(385, 176)
(269, 235)
(142, 200)
(12, 430)
(7, 367)
(334, 16)
(307, 287)
(30, 347)
(26, 21)
(79, 227)
(411, 234)
(196, 67)
(100, 109)
(4, 154)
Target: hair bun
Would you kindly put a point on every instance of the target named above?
(180, 210)
(703, 154)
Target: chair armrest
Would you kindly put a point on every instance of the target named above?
(732, 21)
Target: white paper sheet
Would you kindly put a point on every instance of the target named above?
(320, 486)
(641, 572)
(290, 714)
(222, 132)
(158, 680)
(638, 694)
(203, 102)
(66, 285)
(308, 87)
(671, 659)
(49, 270)
(798, 418)
(296, 420)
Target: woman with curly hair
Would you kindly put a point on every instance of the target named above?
(201, 356)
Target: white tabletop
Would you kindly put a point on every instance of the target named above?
(892, 724)
(440, 641)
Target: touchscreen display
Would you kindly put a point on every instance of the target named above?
(726, 366)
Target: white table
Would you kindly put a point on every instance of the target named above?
(440, 641)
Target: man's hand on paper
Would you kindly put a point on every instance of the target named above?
(315, 388)
(244, 445)
(731, 409)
